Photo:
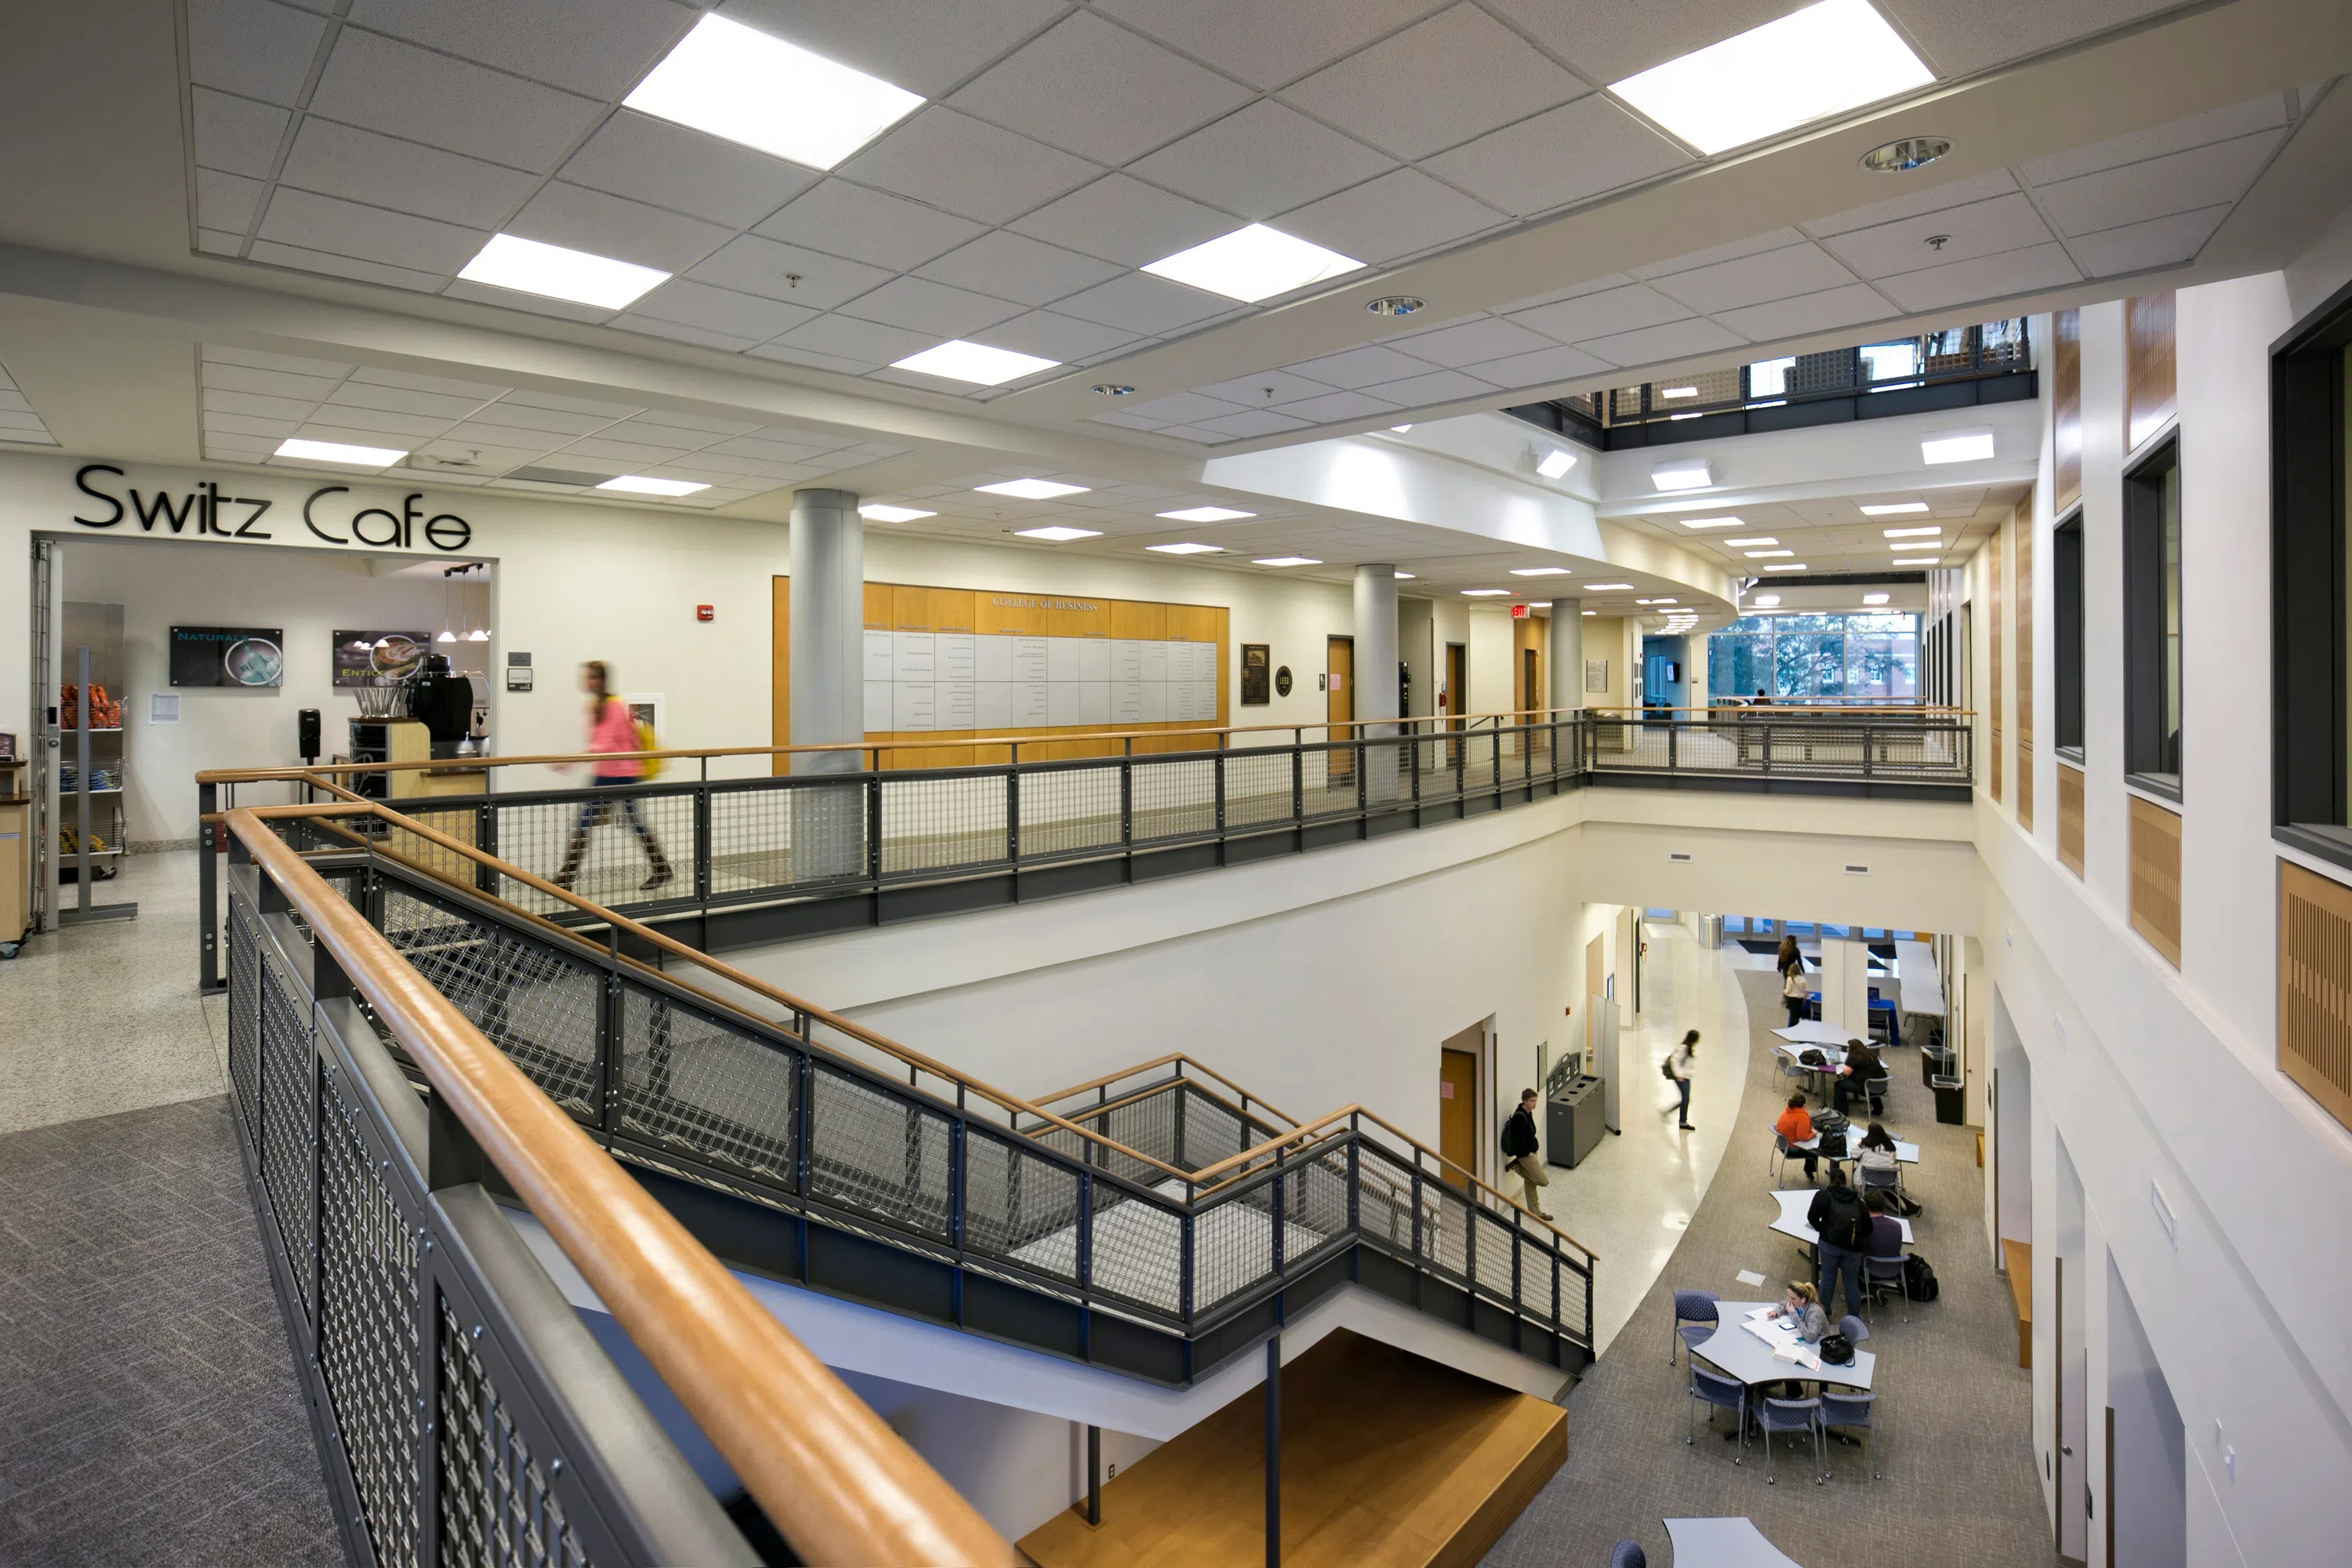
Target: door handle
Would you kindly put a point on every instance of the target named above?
(2068, 1452)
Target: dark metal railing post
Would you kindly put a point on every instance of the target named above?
(1094, 1475)
(1013, 804)
(208, 839)
(1127, 798)
(1274, 1451)
(702, 844)
(1674, 729)
(1217, 764)
(874, 822)
(485, 838)
(1298, 775)
(1867, 735)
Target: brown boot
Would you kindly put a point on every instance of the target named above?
(660, 863)
(571, 869)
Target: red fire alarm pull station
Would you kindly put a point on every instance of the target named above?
(706, 613)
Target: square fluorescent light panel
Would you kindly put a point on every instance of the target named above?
(1918, 561)
(1032, 489)
(1556, 462)
(338, 452)
(1936, 533)
(1693, 474)
(1609, 587)
(1826, 59)
(1874, 598)
(1059, 534)
(1482, 593)
(528, 267)
(1206, 514)
(1286, 560)
(1762, 554)
(1765, 599)
(1956, 447)
(1714, 523)
(1798, 566)
(1539, 572)
(956, 360)
(1253, 264)
(1187, 549)
(877, 512)
(750, 86)
(1895, 509)
(639, 485)
(1745, 543)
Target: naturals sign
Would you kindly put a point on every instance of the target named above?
(206, 512)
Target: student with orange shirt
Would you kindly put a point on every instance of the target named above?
(1796, 1127)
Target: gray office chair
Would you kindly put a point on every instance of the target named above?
(1694, 1320)
(1883, 1274)
(1851, 1409)
(1790, 1415)
(1884, 1181)
(1855, 1330)
(1716, 1391)
(1776, 1163)
(1791, 1068)
(1629, 1555)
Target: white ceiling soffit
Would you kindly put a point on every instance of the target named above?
(1060, 149)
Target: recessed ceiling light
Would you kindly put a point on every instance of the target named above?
(639, 485)
(1609, 587)
(1556, 462)
(1713, 522)
(1395, 304)
(753, 87)
(1895, 509)
(1591, 611)
(526, 267)
(1655, 601)
(1744, 544)
(1827, 57)
(1762, 554)
(1800, 566)
(1113, 389)
(1032, 489)
(1539, 572)
(1902, 544)
(1956, 447)
(1765, 599)
(1399, 429)
(1482, 593)
(1253, 264)
(1207, 514)
(1918, 561)
(1058, 534)
(1909, 153)
(1690, 474)
(1679, 391)
(956, 360)
(1936, 533)
(338, 452)
(879, 512)
(1874, 598)
(1187, 549)
(1286, 560)
(1406, 576)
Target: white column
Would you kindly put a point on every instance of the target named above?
(1566, 640)
(1376, 675)
(826, 556)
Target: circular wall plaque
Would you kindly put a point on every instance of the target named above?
(1282, 681)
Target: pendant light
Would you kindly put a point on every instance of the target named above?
(446, 635)
(481, 632)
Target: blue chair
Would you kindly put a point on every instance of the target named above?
(1717, 1393)
(1880, 1275)
(1850, 1410)
(1694, 1320)
(1629, 1555)
(1790, 1415)
(1855, 1330)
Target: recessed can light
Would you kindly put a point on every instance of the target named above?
(1113, 389)
(1902, 157)
(1396, 304)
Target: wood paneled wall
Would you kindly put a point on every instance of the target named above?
(2020, 530)
(2065, 409)
(2150, 377)
(2315, 987)
(2070, 818)
(2156, 877)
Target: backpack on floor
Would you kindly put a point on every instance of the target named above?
(1919, 1280)
(1903, 1203)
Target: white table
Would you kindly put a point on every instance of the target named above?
(1739, 1353)
(1724, 1543)
(1905, 1154)
(1813, 1032)
(1793, 1203)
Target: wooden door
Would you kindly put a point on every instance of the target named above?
(1457, 1110)
(1340, 703)
(1596, 970)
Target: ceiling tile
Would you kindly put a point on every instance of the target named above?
(247, 424)
(1126, 421)
(1338, 407)
(1227, 164)
(968, 166)
(1265, 388)
(1398, 215)
(259, 359)
(1651, 345)
(1139, 302)
(612, 225)
(562, 403)
(1484, 338)
(1980, 228)
(445, 406)
(480, 392)
(226, 201)
(1185, 407)
(1124, 220)
(1803, 269)
(1754, 245)
(1610, 41)
(922, 46)
(869, 226)
(694, 304)
(1577, 292)
(656, 419)
(384, 172)
(651, 160)
(1540, 368)
(1845, 307)
(790, 353)
(922, 306)
(1252, 422)
(1933, 198)
(1049, 335)
(346, 228)
(237, 135)
(678, 331)
(1440, 82)
(253, 47)
(1437, 386)
(1596, 315)
(1014, 267)
(2266, 113)
(599, 48)
(385, 85)
(868, 343)
(1959, 39)
(1267, 45)
(598, 446)
(2160, 242)
(763, 267)
(1985, 278)
(254, 405)
(383, 421)
(2202, 176)
(1090, 87)
(1361, 367)
(1563, 155)
(217, 242)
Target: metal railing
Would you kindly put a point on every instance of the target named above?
(813, 1150)
(766, 858)
(464, 1414)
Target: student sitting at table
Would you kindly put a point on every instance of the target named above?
(1877, 1154)
(1886, 1230)
(1802, 1308)
(1861, 1066)
(1796, 1125)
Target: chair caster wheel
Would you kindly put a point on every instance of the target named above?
(1771, 1480)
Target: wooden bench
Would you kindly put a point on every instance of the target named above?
(2016, 1257)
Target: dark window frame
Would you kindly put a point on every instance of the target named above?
(2066, 635)
(2143, 607)
(2308, 696)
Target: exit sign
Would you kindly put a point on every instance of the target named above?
(1519, 612)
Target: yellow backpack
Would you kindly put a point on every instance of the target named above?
(652, 766)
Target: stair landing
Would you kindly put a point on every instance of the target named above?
(1387, 1460)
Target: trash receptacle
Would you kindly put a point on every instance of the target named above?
(1950, 1109)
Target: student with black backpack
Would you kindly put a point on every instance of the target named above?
(1844, 1226)
(1523, 1152)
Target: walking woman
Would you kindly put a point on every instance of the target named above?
(1794, 987)
(611, 731)
(1679, 1068)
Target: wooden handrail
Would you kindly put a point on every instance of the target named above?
(842, 1484)
(1182, 1061)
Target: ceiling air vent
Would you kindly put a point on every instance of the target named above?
(1853, 869)
(1680, 856)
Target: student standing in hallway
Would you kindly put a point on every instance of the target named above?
(1679, 1067)
(1525, 1153)
(611, 732)
(1846, 1232)
(1794, 987)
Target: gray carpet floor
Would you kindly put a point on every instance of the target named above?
(1954, 1416)
(149, 1411)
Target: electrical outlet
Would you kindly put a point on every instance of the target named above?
(1114, 1471)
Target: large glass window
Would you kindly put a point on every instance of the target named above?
(2066, 632)
(2152, 621)
(1816, 657)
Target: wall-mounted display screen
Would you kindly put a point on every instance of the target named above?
(228, 655)
(380, 658)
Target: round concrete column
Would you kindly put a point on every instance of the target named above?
(1376, 676)
(1566, 642)
(827, 560)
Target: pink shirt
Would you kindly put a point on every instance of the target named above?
(614, 732)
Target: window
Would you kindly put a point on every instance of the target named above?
(2311, 655)
(2152, 622)
(2066, 633)
(1770, 377)
(1807, 658)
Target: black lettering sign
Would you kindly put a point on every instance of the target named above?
(246, 530)
(162, 510)
(448, 531)
(81, 483)
(391, 530)
(201, 512)
(313, 523)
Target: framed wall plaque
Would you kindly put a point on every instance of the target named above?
(1282, 681)
(1256, 669)
(1596, 675)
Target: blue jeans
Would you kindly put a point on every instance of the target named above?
(1683, 1086)
(592, 811)
(1837, 1260)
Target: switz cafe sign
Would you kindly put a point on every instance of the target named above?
(206, 512)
